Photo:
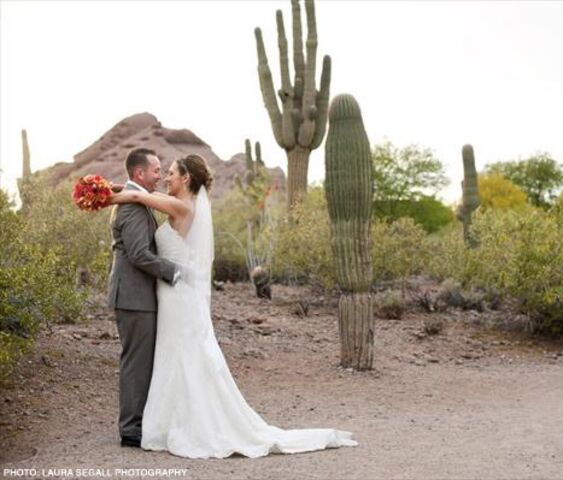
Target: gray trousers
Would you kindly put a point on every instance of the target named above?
(137, 333)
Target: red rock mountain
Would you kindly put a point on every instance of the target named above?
(106, 156)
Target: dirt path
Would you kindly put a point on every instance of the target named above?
(463, 404)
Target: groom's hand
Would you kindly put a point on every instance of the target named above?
(181, 273)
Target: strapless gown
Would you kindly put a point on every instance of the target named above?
(194, 408)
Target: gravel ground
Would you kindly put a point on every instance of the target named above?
(467, 403)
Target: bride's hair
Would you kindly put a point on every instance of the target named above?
(196, 167)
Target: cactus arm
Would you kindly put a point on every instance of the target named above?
(284, 61)
(309, 108)
(248, 155)
(298, 58)
(322, 103)
(259, 160)
(267, 87)
(286, 92)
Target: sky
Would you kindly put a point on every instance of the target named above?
(439, 74)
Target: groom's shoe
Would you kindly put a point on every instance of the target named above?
(130, 442)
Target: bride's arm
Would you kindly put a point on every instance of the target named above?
(163, 203)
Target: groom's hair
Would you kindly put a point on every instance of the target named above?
(137, 158)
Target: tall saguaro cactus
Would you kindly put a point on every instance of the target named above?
(349, 193)
(470, 194)
(300, 125)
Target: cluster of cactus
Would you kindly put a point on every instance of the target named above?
(255, 184)
(256, 187)
(300, 126)
(470, 194)
(349, 193)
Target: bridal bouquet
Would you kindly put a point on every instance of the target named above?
(91, 193)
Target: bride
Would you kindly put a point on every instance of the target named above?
(194, 408)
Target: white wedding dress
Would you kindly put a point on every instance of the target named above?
(194, 408)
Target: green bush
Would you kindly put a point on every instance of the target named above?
(427, 212)
(229, 223)
(519, 253)
(399, 249)
(533, 270)
(302, 252)
(36, 287)
(81, 239)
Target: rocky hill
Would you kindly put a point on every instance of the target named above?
(106, 156)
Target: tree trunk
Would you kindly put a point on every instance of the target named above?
(297, 166)
(355, 317)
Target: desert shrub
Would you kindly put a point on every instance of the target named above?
(81, 239)
(399, 249)
(450, 257)
(557, 210)
(36, 287)
(389, 304)
(302, 250)
(230, 237)
(452, 294)
(519, 253)
(231, 222)
(535, 273)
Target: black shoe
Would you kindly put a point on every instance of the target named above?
(130, 442)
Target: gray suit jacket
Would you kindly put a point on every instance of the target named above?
(135, 267)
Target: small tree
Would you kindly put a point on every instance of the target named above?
(539, 176)
(496, 191)
(404, 174)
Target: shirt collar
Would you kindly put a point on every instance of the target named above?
(131, 182)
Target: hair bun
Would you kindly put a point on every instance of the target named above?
(197, 168)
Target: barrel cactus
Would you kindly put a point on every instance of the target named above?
(470, 194)
(300, 125)
(349, 193)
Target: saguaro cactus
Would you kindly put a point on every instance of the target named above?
(253, 169)
(349, 193)
(300, 126)
(470, 194)
(24, 181)
(26, 171)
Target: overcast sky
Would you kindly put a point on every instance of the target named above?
(439, 74)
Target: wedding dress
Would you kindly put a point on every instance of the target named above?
(194, 408)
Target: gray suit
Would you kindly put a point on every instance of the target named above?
(132, 293)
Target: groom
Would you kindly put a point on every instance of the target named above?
(132, 291)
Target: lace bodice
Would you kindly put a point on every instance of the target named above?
(171, 245)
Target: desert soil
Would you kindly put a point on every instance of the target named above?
(467, 403)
